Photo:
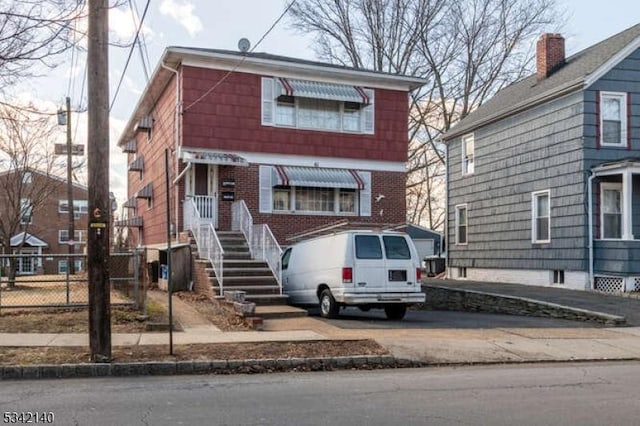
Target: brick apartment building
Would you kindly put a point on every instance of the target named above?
(303, 144)
(45, 220)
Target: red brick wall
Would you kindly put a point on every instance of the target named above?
(549, 54)
(229, 118)
(393, 206)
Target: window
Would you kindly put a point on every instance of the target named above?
(462, 272)
(27, 177)
(558, 277)
(315, 200)
(368, 247)
(468, 149)
(63, 236)
(461, 224)
(26, 211)
(284, 108)
(62, 266)
(285, 259)
(541, 217)
(613, 118)
(396, 248)
(611, 210)
(79, 207)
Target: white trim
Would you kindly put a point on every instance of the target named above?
(308, 161)
(534, 216)
(623, 119)
(616, 186)
(290, 69)
(615, 60)
(468, 167)
(574, 280)
(457, 224)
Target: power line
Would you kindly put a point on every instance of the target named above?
(133, 45)
(219, 82)
(142, 45)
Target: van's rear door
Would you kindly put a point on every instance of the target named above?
(400, 271)
(369, 269)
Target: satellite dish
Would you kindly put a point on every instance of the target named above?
(244, 45)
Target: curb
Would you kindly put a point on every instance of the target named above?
(169, 368)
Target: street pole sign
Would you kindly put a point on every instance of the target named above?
(76, 149)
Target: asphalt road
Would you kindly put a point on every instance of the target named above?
(353, 318)
(561, 394)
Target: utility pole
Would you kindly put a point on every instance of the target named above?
(98, 179)
(71, 259)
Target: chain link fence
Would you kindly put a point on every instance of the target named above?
(45, 281)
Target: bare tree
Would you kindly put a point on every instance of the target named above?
(465, 49)
(26, 162)
(33, 33)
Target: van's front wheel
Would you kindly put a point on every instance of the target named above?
(395, 312)
(328, 306)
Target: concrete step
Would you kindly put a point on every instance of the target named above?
(254, 289)
(244, 263)
(247, 272)
(279, 311)
(250, 280)
(237, 256)
(269, 299)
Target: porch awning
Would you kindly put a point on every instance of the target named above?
(30, 240)
(131, 222)
(328, 91)
(317, 177)
(212, 157)
(130, 203)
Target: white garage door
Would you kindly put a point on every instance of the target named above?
(424, 248)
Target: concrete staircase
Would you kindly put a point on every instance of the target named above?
(245, 274)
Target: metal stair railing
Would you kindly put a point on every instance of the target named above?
(207, 241)
(262, 244)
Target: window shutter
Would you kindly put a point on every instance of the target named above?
(597, 119)
(368, 116)
(365, 194)
(268, 103)
(266, 189)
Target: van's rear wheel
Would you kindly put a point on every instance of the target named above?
(328, 306)
(395, 312)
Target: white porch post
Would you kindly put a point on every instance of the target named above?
(627, 197)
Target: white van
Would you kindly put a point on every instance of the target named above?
(368, 269)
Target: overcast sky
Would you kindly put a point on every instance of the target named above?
(220, 24)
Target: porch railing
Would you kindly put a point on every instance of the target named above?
(207, 241)
(262, 243)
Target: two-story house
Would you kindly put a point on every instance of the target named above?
(301, 144)
(544, 179)
(36, 202)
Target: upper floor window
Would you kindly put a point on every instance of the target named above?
(317, 106)
(468, 149)
(79, 207)
(27, 177)
(613, 118)
(461, 224)
(540, 217)
(26, 211)
(611, 210)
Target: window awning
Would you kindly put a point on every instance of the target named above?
(317, 90)
(212, 157)
(29, 240)
(146, 192)
(317, 177)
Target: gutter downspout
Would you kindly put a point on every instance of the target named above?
(176, 140)
(590, 224)
(447, 238)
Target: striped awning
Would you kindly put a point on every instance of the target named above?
(130, 147)
(212, 157)
(130, 203)
(317, 90)
(137, 165)
(146, 192)
(317, 177)
(30, 240)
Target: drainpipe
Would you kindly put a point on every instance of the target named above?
(590, 224)
(447, 238)
(176, 139)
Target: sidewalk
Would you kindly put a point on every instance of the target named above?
(407, 346)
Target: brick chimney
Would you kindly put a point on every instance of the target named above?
(549, 54)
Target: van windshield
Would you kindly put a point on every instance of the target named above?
(396, 247)
(368, 247)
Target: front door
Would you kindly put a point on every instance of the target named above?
(202, 187)
(27, 263)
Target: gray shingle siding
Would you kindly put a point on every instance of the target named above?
(535, 150)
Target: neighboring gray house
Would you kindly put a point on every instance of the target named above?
(544, 179)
